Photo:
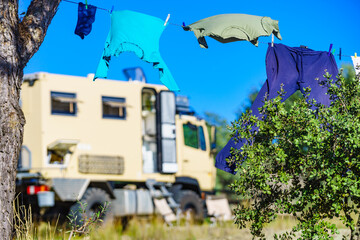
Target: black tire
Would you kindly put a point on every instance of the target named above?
(89, 204)
(190, 201)
(57, 213)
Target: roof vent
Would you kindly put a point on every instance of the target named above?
(135, 74)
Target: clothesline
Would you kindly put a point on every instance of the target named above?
(179, 25)
(96, 6)
(175, 24)
(110, 11)
(336, 54)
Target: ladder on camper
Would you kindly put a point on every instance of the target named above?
(164, 201)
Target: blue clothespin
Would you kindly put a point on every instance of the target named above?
(184, 24)
(340, 54)
(330, 49)
(86, 5)
(112, 8)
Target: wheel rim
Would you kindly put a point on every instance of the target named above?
(190, 212)
(94, 209)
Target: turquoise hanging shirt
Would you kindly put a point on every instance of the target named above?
(138, 33)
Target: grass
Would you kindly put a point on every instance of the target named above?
(156, 229)
(152, 228)
(138, 228)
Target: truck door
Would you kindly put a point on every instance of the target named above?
(167, 151)
(195, 156)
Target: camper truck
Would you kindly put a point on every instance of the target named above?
(110, 141)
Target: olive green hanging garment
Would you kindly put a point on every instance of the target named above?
(234, 27)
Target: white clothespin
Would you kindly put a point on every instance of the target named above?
(272, 40)
(167, 19)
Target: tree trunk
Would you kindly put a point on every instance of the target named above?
(19, 41)
(11, 135)
(11, 117)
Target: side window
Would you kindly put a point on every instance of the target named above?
(113, 107)
(191, 135)
(63, 103)
(202, 139)
(194, 136)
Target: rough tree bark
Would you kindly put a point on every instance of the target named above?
(19, 41)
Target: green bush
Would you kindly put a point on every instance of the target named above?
(303, 161)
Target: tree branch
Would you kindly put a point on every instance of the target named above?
(33, 28)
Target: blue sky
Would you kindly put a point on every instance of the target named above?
(217, 79)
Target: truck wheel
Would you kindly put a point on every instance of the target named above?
(89, 204)
(190, 204)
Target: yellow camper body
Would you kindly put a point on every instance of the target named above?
(108, 130)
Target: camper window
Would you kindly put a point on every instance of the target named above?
(55, 157)
(113, 107)
(58, 152)
(63, 103)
